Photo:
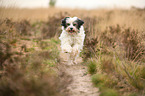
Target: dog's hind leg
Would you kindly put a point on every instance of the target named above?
(75, 54)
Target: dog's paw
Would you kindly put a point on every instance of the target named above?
(71, 62)
(67, 50)
(74, 62)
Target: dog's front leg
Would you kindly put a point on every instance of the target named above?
(66, 46)
(75, 52)
(66, 49)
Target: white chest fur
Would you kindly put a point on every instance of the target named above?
(68, 41)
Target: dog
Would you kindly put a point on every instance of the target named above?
(72, 37)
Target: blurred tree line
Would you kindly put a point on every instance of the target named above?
(52, 3)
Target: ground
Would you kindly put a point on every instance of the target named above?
(81, 84)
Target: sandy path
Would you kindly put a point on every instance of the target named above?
(81, 84)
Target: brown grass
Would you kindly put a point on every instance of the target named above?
(114, 50)
(129, 18)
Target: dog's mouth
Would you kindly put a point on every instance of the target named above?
(71, 31)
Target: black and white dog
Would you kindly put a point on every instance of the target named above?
(72, 37)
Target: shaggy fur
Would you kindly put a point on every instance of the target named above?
(72, 38)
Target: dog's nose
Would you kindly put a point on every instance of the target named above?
(71, 28)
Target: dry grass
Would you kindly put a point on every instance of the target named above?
(118, 55)
(29, 63)
(114, 50)
(129, 18)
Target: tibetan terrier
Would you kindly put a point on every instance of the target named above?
(72, 37)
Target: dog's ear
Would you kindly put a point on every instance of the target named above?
(63, 22)
(80, 23)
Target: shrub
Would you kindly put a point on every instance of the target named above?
(89, 48)
(32, 75)
(92, 67)
(109, 92)
(52, 3)
(107, 65)
(52, 27)
(142, 72)
(98, 80)
(6, 53)
(126, 39)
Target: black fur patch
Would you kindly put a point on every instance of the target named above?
(80, 23)
(63, 22)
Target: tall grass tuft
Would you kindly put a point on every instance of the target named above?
(92, 68)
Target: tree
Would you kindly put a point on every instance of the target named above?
(52, 3)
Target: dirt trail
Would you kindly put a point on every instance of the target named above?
(81, 84)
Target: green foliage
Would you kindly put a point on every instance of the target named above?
(98, 80)
(92, 67)
(109, 92)
(30, 49)
(142, 72)
(132, 94)
(50, 63)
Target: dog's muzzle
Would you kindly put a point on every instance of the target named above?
(71, 30)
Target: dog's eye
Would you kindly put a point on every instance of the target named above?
(74, 24)
(68, 24)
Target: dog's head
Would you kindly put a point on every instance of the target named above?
(72, 25)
